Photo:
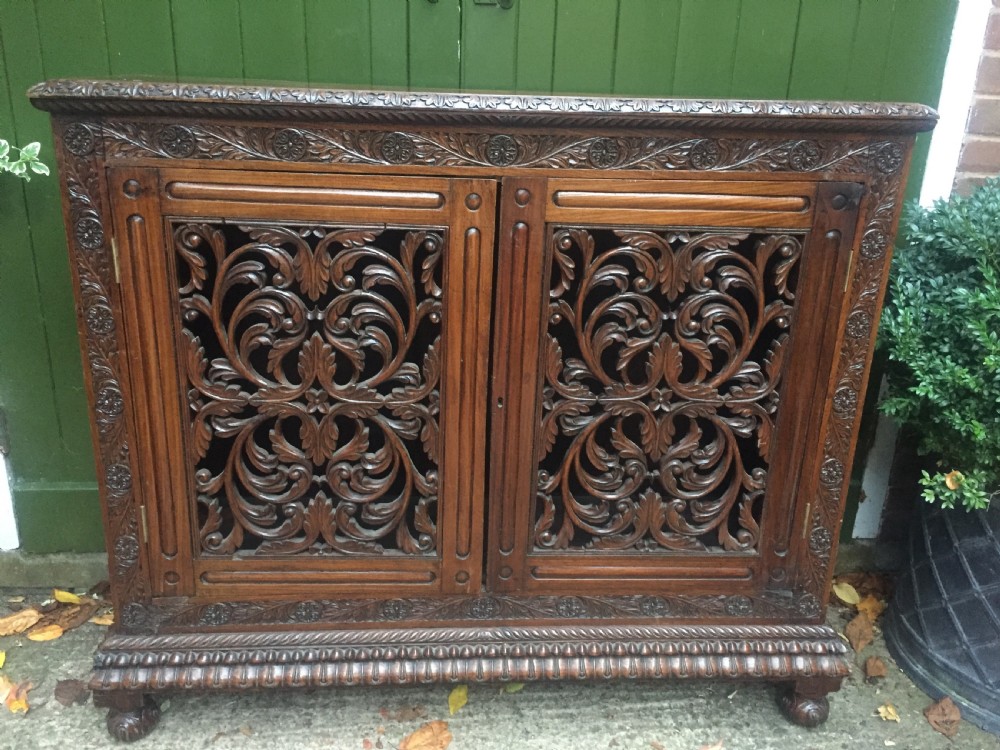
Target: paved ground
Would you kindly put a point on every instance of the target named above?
(687, 716)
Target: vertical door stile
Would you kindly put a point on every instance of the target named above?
(143, 266)
(468, 282)
(519, 310)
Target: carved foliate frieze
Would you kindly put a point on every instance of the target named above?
(129, 140)
(313, 365)
(662, 362)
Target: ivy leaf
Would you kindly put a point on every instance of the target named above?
(31, 150)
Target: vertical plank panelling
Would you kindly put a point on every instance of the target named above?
(918, 47)
(149, 54)
(390, 43)
(434, 31)
(338, 42)
(26, 394)
(646, 47)
(765, 44)
(705, 47)
(536, 32)
(273, 40)
(207, 42)
(823, 49)
(65, 52)
(584, 46)
(489, 47)
(870, 48)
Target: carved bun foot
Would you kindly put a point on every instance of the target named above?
(804, 710)
(131, 723)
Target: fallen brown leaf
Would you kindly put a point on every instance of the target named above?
(457, 698)
(876, 584)
(433, 735)
(105, 618)
(72, 692)
(15, 599)
(17, 698)
(246, 730)
(846, 593)
(45, 632)
(944, 716)
(512, 687)
(100, 590)
(874, 668)
(888, 712)
(656, 745)
(859, 632)
(71, 616)
(406, 713)
(6, 685)
(65, 597)
(20, 621)
(716, 746)
(3, 658)
(872, 607)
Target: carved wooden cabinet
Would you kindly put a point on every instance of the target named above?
(398, 388)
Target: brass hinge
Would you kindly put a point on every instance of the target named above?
(114, 259)
(145, 524)
(805, 521)
(850, 267)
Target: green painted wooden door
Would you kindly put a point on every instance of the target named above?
(854, 49)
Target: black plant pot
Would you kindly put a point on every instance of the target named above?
(943, 624)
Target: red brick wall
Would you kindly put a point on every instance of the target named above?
(981, 149)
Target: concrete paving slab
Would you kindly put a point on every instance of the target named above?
(621, 716)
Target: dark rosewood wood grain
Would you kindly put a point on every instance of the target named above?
(432, 387)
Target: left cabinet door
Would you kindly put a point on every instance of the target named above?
(307, 359)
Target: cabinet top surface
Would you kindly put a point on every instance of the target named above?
(79, 96)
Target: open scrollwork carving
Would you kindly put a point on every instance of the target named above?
(312, 356)
(662, 359)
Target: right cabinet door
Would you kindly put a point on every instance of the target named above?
(662, 358)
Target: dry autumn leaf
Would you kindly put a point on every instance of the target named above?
(888, 712)
(656, 745)
(872, 607)
(406, 713)
(846, 593)
(15, 599)
(17, 698)
(72, 692)
(874, 668)
(3, 658)
(6, 685)
(433, 735)
(715, 746)
(19, 621)
(65, 597)
(954, 479)
(45, 632)
(944, 716)
(105, 618)
(859, 632)
(457, 698)
(512, 687)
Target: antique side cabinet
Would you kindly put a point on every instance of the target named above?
(402, 388)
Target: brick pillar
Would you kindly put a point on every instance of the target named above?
(981, 147)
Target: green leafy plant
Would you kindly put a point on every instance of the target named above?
(26, 162)
(941, 327)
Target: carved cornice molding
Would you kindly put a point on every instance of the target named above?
(394, 107)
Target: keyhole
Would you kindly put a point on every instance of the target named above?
(499, 403)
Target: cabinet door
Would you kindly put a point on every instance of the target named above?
(663, 357)
(308, 367)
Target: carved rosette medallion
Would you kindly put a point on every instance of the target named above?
(306, 612)
(89, 233)
(216, 615)
(177, 141)
(78, 139)
(739, 606)
(126, 551)
(859, 325)
(820, 540)
(397, 148)
(313, 367)
(845, 400)
(603, 153)
(874, 245)
(662, 364)
(501, 150)
(290, 145)
(705, 154)
(118, 478)
(109, 402)
(484, 608)
(889, 158)
(805, 156)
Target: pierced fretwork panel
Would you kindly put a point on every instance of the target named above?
(662, 359)
(312, 361)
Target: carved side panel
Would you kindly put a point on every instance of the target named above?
(663, 358)
(88, 222)
(313, 361)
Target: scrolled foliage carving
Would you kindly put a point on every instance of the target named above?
(312, 357)
(662, 360)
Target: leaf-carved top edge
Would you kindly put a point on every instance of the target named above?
(207, 99)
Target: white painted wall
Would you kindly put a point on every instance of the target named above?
(957, 90)
(8, 528)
